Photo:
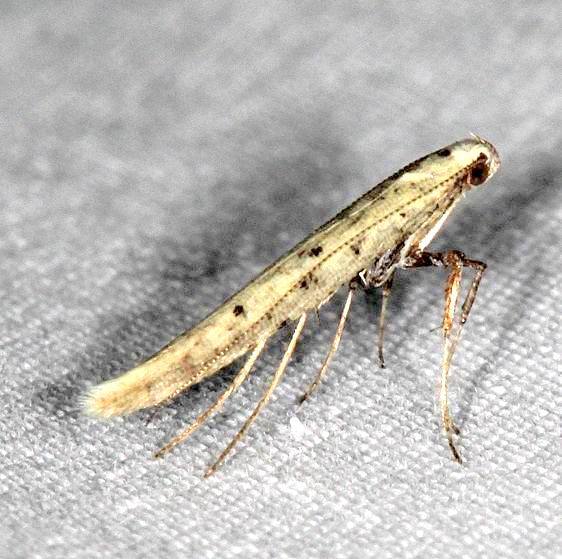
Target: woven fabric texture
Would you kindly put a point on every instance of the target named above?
(154, 156)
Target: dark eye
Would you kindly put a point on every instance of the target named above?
(478, 174)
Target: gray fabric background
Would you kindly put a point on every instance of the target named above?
(155, 156)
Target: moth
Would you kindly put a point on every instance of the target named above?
(387, 228)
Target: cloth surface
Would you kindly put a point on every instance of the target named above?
(154, 157)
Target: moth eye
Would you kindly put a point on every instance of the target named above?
(479, 173)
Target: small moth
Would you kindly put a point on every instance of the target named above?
(387, 228)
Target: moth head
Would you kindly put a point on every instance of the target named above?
(486, 162)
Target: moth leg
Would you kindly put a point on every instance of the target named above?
(264, 399)
(217, 405)
(153, 414)
(454, 260)
(480, 268)
(452, 289)
(451, 341)
(386, 289)
(333, 347)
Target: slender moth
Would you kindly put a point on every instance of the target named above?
(389, 227)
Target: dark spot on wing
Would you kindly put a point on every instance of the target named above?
(300, 253)
(304, 284)
(315, 251)
(238, 310)
(408, 168)
(411, 166)
(283, 324)
(444, 152)
(356, 250)
(402, 214)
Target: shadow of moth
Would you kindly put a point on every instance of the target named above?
(387, 228)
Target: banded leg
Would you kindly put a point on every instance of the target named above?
(264, 399)
(454, 260)
(333, 348)
(217, 405)
(386, 289)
